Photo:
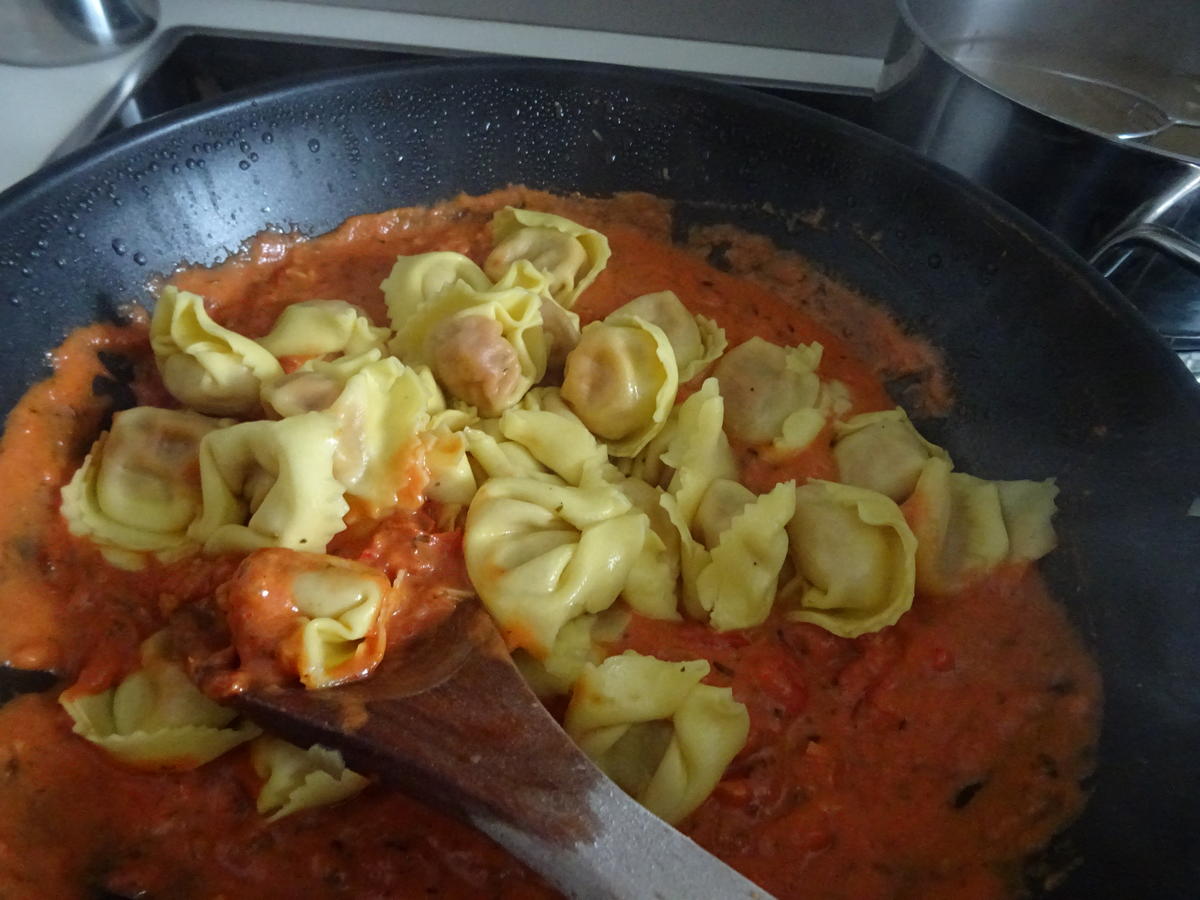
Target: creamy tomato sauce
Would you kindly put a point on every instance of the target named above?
(926, 760)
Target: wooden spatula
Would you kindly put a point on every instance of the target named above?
(449, 720)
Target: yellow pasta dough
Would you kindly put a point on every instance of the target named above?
(771, 392)
(664, 737)
(621, 380)
(204, 365)
(156, 718)
(696, 340)
(883, 452)
(295, 778)
(567, 254)
(321, 327)
(138, 490)
(731, 573)
(270, 484)
(415, 280)
(541, 554)
(855, 557)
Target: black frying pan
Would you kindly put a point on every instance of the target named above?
(1055, 374)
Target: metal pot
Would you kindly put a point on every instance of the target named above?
(1085, 114)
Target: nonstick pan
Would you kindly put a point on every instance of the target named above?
(1054, 373)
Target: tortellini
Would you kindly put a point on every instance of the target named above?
(855, 558)
(1028, 507)
(554, 436)
(962, 524)
(569, 255)
(205, 365)
(732, 552)
(653, 728)
(138, 490)
(883, 452)
(698, 453)
(485, 347)
(579, 642)
(772, 393)
(416, 280)
(650, 588)
(316, 328)
(295, 778)
(270, 484)
(378, 415)
(696, 340)
(320, 619)
(156, 718)
(540, 554)
(621, 380)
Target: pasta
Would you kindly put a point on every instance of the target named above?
(541, 554)
(485, 347)
(416, 280)
(855, 557)
(204, 365)
(321, 619)
(771, 392)
(696, 340)
(316, 328)
(270, 484)
(731, 573)
(155, 718)
(569, 255)
(138, 490)
(295, 778)
(883, 452)
(962, 525)
(621, 381)
(656, 730)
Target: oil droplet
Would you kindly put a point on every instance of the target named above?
(119, 247)
(139, 258)
(314, 145)
(244, 164)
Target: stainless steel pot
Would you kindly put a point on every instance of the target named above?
(1083, 113)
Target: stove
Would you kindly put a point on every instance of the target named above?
(815, 54)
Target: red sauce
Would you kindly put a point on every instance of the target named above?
(926, 760)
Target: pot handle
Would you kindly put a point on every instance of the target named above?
(1150, 234)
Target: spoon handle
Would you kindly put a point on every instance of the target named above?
(452, 723)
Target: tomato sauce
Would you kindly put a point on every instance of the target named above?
(926, 760)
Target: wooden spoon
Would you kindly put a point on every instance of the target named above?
(449, 720)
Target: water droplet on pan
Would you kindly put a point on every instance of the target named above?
(314, 145)
(119, 247)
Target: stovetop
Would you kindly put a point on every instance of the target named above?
(203, 66)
